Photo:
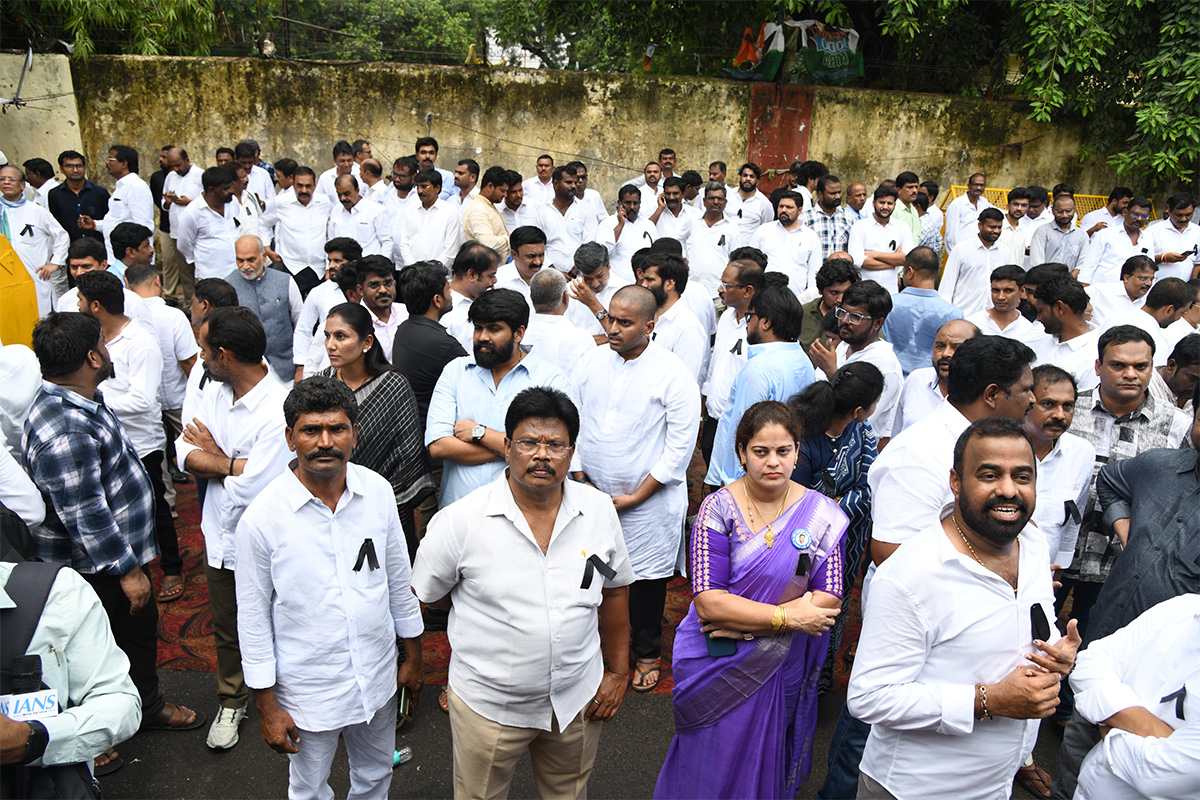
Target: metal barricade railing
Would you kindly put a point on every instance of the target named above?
(1084, 203)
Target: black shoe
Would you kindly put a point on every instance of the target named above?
(179, 477)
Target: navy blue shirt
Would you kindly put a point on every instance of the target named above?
(66, 207)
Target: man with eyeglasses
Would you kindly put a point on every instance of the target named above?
(377, 285)
(76, 197)
(963, 211)
(131, 199)
(1112, 300)
(39, 241)
(712, 239)
(1111, 247)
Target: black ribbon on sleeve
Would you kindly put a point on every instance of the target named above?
(1179, 695)
(596, 564)
(367, 551)
(1072, 513)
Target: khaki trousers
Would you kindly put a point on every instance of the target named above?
(166, 252)
(222, 604)
(486, 754)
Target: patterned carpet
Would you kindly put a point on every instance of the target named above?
(185, 626)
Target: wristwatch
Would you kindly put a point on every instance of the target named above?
(35, 745)
(477, 433)
(602, 314)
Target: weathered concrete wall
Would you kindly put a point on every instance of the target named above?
(46, 126)
(615, 123)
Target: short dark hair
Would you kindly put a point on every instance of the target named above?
(1008, 272)
(836, 270)
(670, 268)
(989, 428)
(921, 201)
(824, 181)
(667, 245)
(213, 177)
(719, 165)
(1063, 188)
(127, 236)
(377, 265)
(512, 178)
(40, 167)
(409, 163)
(359, 146)
(227, 150)
(350, 249)
(1119, 193)
(1181, 200)
(870, 294)
(526, 234)
(426, 141)
(931, 188)
(750, 273)
(496, 176)
(1171, 292)
(286, 167)
(1141, 202)
(140, 274)
(1039, 274)
(1122, 334)
(692, 178)
(546, 156)
(542, 402)
(127, 154)
(101, 286)
(1038, 194)
(1064, 289)
(811, 169)
(419, 283)
(590, 257)
(88, 247)
(666, 151)
(1134, 263)
(1018, 193)
(472, 166)
(430, 176)
(1049, 374)
(1187, 351)
(747, 253)
(750, 165)
(316, 395)
(500, 305)
(303, 170)
(626, 190)
(342, 148)
(238, 330)
(674, 181)
(70, 154)
(559, 172)
(244, 150)
(217, 292)
(982, 361)
(993, 214)
(474, 257)
(779, 305)
(795, 197)
(62, 341)
(923, 260)
(762, 414)
(905, 178)
(885, 191)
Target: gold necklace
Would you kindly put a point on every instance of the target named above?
(967, 542)
(750, 507)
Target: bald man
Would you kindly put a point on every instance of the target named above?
(926, 388)
(273, 297)
(180, 187)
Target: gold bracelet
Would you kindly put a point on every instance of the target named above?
(779, 620)
(984, 713)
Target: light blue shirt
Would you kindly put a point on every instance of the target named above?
(467, 391)
(913, 325)
(774, 371)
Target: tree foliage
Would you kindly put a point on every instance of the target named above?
(137, 27)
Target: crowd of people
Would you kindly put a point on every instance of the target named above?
(483, 403)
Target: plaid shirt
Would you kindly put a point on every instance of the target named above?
(80, 458)
(931, 233)
(833, 231)
(1152, 425)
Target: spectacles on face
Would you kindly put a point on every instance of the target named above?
(386, 284)
(852, 317)
(727, 286)
(10, 179)
(529, 447)
(1139, 216)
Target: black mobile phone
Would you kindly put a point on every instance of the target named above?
(404, 706)
(720, 647)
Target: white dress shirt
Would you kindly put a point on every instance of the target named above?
(882, 355)
(377, 193)
(868, 234)
(251, 428)
(921, 656)
(366, 224)
(1108, 250)
(40, 195)
(176, 343)
(536, 192)
(959, 215)
(259, 184)
(1109, 301)
(634, 236)
(1140, 318)
(1020, 329)
(206, 238)
(188, 186)
(131, 201)
(1137, 667)
(649, 196)
(795, 253)
(708, 254)
(593, 205)
(311, 623)
(679, 228)
(1099, 215)
(326, 182)
(564, 233)
(678, 330)
(919, 398)
(524, 635)
(729, 355)
(430, 234)
(19, 493)
(1173, 333)
(526, 214)
(701, 304)
(584, 318)
(456, 323)
(554, 338)
(1064, 475)
(38, 239)
(299, 231)
(249, 212)
(1014, 239)
(507, 277)
(967, 279)
(1077, 356)
(639, 418)
(310, 324)
(1169, 239)
(132, 393)
(750, 214)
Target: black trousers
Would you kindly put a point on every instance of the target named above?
(646, 601)
(708, 436)
(137, 636)
(164, 523)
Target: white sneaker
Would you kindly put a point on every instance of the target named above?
(224, 731)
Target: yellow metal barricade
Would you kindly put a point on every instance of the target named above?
(1084, 203)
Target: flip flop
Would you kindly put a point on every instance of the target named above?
(1035, 780)
(172, 589)
(114, 763)
(643, 668)
(174, 721)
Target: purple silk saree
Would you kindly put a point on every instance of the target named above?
(744, 723)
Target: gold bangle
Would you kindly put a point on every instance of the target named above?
(779, 620)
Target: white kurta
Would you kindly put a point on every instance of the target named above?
(38, 239)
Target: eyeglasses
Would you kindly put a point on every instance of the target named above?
(849, 316)
(387, 284)
(529, 447)
(725, 285)
(1139, 216)
(9, 179)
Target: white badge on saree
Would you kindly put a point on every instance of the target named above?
(802, 539)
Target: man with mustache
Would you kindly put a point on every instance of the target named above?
(791, 247)
(323, 666)
(965, 279)
(364, 222)
(625, 232)
(534, 564)
(878, 245)
(377, 285)
(235, 440)
(465, 426)
(1004, 317)
(297, 221)
(748, 207)
(1061, 305)
(954, 691)
(273, 297)
(926, 388)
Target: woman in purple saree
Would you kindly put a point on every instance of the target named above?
(767, 590)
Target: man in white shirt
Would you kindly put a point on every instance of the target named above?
(310, 324)
(528, 246)
(675, 326)
(964, 210)
(639, 414)
(235, 441)
(426, 149)
(741, 280)
(670, 217)
(206, 229)
(529, 540)
(370, 172)
(249, 210)
(624, 233)
(466, 180)
(1015, 232)
(649, 183)
(877, 245)
(712, 239)
(1060, 241)
(40, 174)
(538, 189)
(365, 222)
(404, 176)
(259, 183)
(749, 207)
(953, 691)
(1038, 213)
(1065, 462)
(1166, 303)
(970, 265)
(792, 249)
(39, 241)
(377, 285)
(324, 666)
(562, 219)
(593, 203)
(131, 200)
(481, 222)
(432, 228)
(180, 188)
(298, 221)
(1003, 318)
(1109, 214)
(1110, 248)
(550, 335)
(516, 212)
(343, 164)
(591, 291)
(926, 388)
(1112, 300)
(1061, 303)
(1177, 240)
(473, 273)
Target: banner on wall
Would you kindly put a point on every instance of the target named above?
(830, 54)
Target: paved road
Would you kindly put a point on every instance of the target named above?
(178, 765)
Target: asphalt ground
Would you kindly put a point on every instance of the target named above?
(170, 765)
